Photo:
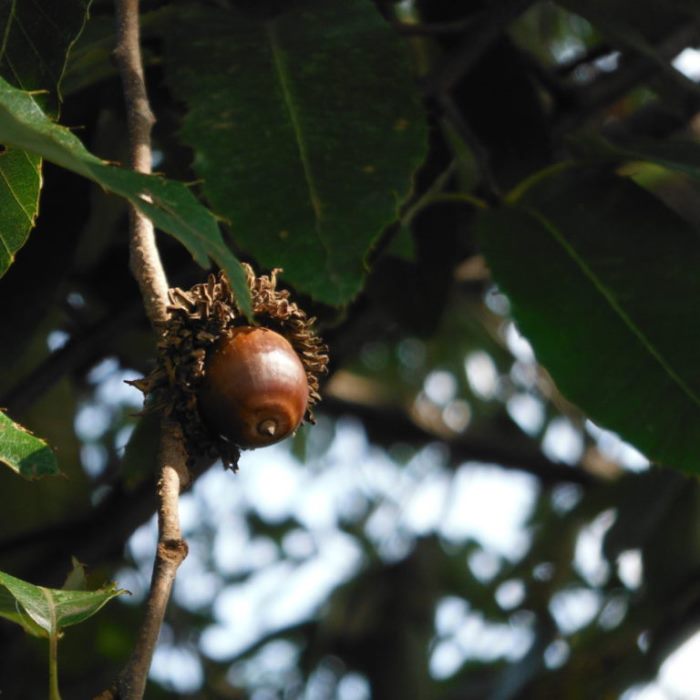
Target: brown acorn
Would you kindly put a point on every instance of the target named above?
(229, 384)
(254, 391)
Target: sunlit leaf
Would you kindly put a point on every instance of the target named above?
(25, 454)
(46, 611)
(170, 205)
(20, 184)
(306, 129)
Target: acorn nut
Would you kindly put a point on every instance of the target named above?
(255, 390)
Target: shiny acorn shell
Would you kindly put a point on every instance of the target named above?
(255, 390)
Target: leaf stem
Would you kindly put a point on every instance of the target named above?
(443, 198)
(53, 666)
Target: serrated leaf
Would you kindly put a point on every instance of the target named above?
(46, 611)
(25, 454)
(170, 205)
(20, 184)
(36, 38)
(603, 280)
(306, 129)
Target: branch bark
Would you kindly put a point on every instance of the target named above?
(147, 268)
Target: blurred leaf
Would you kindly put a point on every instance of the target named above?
(46, 611)
(170, 205)
(25, 454)
(36, 39)
(681, 155)
(142, 450)
(402, 245)
(631, 22)
(77, 577)
(90, 60)
(603, 281)
(306, 129)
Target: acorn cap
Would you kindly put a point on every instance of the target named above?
(207, 315)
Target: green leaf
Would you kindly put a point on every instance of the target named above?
(680, 155)
(170, 205)
(20, 184)
(46, 611)
(603, 280)
(25, 454)
(306, 129)
(36, 39)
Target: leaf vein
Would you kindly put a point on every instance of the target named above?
(282, 75)
(609, 297)
(30, 219)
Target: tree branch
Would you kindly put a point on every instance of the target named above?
(148, 270)
(172, 550)
(388, 425)
(145, 260)
(81, 348)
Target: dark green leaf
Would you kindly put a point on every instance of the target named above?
(36, 38)
(170, 205)
(46, 611)
(25, 454)
(306, 129)
(402, 245)
(603, 280)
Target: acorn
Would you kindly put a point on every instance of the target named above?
(232, 385)
(254, 392)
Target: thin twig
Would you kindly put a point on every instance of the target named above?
(455, 117)
(172, 550)
(148, 270)
(145, 260)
